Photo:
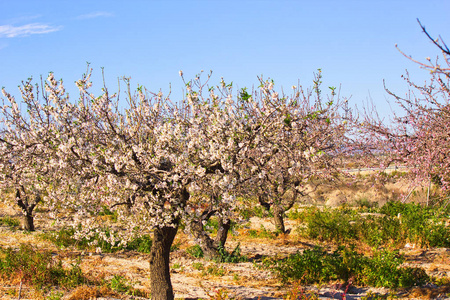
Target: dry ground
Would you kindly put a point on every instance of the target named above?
(197, 278)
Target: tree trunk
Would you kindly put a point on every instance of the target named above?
(278, 218)
(286, 202)
(27, 208)
(209, 248)
(28, 222)
(161, 286)
(222, 232)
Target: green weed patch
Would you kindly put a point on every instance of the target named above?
(37, 268)
(345, 264)
(393, 225)
(66, 238)
(8, 221)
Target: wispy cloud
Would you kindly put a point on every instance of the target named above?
(11, 31)
(22, 19)
(95, 15)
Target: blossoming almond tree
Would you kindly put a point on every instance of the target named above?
(306, 145)
(24, 163)
(149, 154)
(299, 139)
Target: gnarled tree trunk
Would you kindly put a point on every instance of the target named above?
(27, 209)
(222, 232)
(161, 285)
(278, 218)
(279, 206)
(163, 237)
(28, 222)
(210, 247)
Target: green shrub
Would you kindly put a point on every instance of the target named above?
(317, 266)
(55, 295)
(198, 266)
(38, 268)
(212, 225)
(195, 251)
(65, 238)
(383, 270)
(421, 224)
(378, 231)
(8, 221)
(335, 225)
(141, 244)
(119, 284)
(122, 285)
(295, 213)
(399, 224)
(231, 257)
(214, 270)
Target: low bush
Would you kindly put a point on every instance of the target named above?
(384, 270)
(195, 251)
(122, 286)
(335, 225)
(214, 270)
(424, 225)
(345, 264)
(37, 268)
(66, 238)
(393, 225)
(261, 233)
(141, 244)
(231, 257)
(8, 221)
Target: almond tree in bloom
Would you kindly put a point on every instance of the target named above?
(311, 137)
(292, 142)
(146, 154)
(420, 137)
(24, 167)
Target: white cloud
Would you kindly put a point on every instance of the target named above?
(22, 19)
(95, 15)
(11, 31)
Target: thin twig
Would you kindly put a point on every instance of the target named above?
(409, 194)
(443, 48)
(20, 290)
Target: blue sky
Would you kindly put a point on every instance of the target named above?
(150, 41)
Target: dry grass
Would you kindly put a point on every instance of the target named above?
(85, 292)
(430, 293)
